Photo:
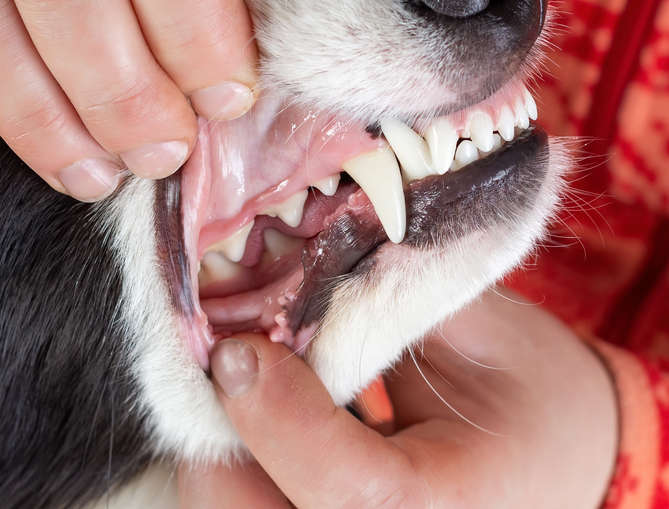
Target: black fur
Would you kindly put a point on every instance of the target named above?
(67, 430)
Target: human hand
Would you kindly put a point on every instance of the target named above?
(537, 424)
(92, 88)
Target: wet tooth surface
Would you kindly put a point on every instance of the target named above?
(234, 246)
(328, 186)
(291, 210)
(480, 126)
(410, 148)
(442, 139)
(378, 174)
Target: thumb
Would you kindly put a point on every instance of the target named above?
(319, 455)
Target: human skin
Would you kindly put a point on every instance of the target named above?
(542, 430)
(94, 89)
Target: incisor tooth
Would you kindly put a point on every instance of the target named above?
(328, 186)
(410, 148)
(442, 140)
(466, 153)
(480, 126)
(378, 174)
(531, 105)
(506, 124)
(522, 118)
(216, 267)
(234, 246)
(289, 211)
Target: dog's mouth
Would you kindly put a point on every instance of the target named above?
(281, 205)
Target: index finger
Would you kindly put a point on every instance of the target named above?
(318, 454)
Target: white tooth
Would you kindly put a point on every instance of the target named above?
(465, 154)
(506, 124)
(480, 125)
(278, 244)
(410, 148)
(531, 105)
(289, 211)
(442, 140)
(522, 118)
(328, 186)
(378, 174)
(216, 267)
(497, 143)
(234, 246)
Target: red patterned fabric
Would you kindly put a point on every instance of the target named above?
(609, 80)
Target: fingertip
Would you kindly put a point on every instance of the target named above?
(156, 160)
(226, 101)
(88, 180)
(234, 366)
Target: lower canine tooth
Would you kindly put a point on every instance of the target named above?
(442, 140)
(328, 186)
(481, 128)
(289, 211)
(278, 244)
(466, 153)
(410, 148)
(378, 174)
(216, 267)
(234, 246)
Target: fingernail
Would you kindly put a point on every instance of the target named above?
(156, 160)
(234, 366)
(90, 180)
(226, 101)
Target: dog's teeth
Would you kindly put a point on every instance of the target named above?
(506, 124)
(410, 148)
(442, 140)
(277, 244)
(465, 154)
(234, 246)
(522, 118)
(496, 144)
(216, 267)
(289, 211)
(531, 105)
(378, 174)
(328, 186)
(481, 128)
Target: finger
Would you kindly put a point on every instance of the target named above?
(223, 487)
(319, 455)
(98, 55)
(207, 48)
(40, 124)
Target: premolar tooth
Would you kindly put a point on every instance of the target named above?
(531, 105)
(442, 139)
(410, 148)
(234, 246)
(328, 186)
(465, 154)
(278, 244)
(506, 124)
(289, 211)
(522, 118)
(481, 128)
(378, 174)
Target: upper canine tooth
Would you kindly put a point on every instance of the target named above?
(442, 139)
(531, 105)
(506, 124)
(481, 128)
(378, 174)
(466, 153)
(234, 246)
(289, 211)
(410, 148)
(522, 118)
(328, 186)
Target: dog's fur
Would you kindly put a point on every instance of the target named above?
(96, 382)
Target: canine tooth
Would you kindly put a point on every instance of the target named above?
(506, 124)
(278, 244)
(233, 247)
(465, 154)
(442, 139)
(531, 105)
(410, 148)
(522, 118)
(481, 128)
(216, 267)
(378, 174)
(328, 186)
(289, 211)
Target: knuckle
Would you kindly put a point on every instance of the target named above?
(40, 120)
(124, 101)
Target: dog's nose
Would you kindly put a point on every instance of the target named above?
(457, 8)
